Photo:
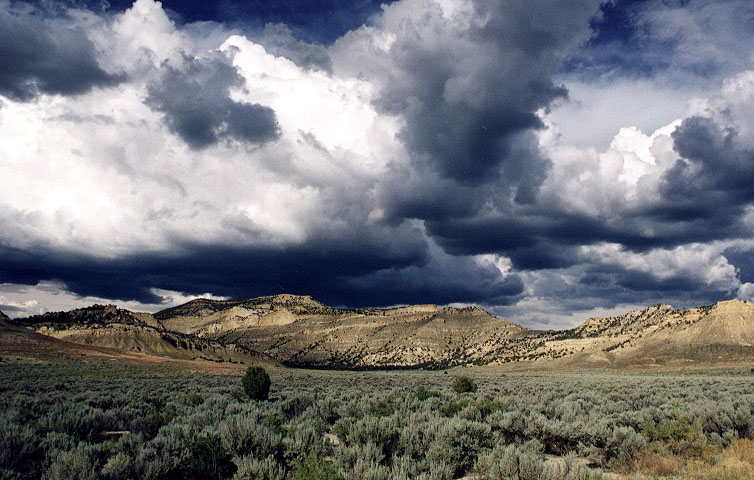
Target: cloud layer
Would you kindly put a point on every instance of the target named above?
(417, 158)
(197, 106)
(46, 57)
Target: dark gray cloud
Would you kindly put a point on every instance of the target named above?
(197, 106)
(544, 225)
(46, 57)
(411, 192)
(657, 250)
(470, 97)
(606, 288)
(10, 310)
(443, 277)
(366, 267)
(555, 295)
(467, 93)
(743, 260)
(712, 180)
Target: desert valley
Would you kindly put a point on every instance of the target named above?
(363, 240)
(398, 393)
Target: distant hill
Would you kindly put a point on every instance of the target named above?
(119, 329)
(300, 331)
(662, 335)
(211, 317)
(19, 342)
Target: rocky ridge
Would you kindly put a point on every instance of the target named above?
(120, 329)
(659, 335)
(300, 331)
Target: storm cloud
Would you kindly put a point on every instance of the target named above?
(419, 156)
(197, 105)
(713, 178)
(51, 57)
(469, 82)
(381, 269)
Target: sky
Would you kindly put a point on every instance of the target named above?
(547, 161)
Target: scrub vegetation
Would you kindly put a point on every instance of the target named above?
(101, 420)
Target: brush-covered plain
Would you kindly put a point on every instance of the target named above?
(96, 419)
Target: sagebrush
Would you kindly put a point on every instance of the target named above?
(108, 421)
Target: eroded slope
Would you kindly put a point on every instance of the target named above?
(300, 331)
(119, 329)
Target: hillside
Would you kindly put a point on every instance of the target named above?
(212, 317)
(300, 331)
(659, 335)
(19, 342)
(123, 330)
(405, 337)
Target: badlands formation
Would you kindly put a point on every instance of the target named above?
(299, 331)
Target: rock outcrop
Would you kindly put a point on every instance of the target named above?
(659, 335)
(119, 329)
(299, 331)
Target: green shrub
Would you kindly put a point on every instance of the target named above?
(487, 406)
(80, 419)
(463, 385)
(274, 422)
(19, 449)
(78, 464)
(342, 427)
(458, 443)
(380, 431)
(118, 467)
(315, 468)
(71, 419)
(520, 462)
(623, 446)
(256, 469)
(423, 393)
(245, 435)
(294, 407)
(305, 439)
(157, 412)
(452, 407)
(383, 408)
(208, 460)
(671, 429)
(238, 395)
(256, 383)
